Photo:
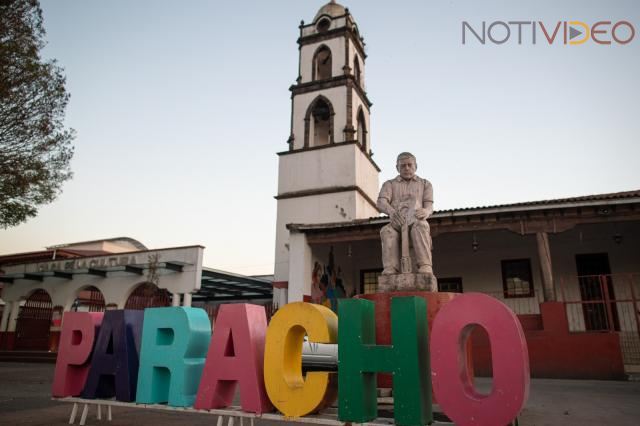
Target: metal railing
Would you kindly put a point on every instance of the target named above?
(520, 305)
(605, 303)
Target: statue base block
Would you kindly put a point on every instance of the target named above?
(407, 282)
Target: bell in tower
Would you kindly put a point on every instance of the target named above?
(327, 174)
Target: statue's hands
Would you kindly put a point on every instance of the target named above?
(422, 214)
(397, 220)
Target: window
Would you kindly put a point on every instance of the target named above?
(362, 130)
(323, 25)
(369, 280)
(356, 70)
(450, 285)
(321, 114)
(322, 64)
(517, 280)
(318, 123)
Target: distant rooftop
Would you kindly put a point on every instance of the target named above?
(137, 244)
(74, 250)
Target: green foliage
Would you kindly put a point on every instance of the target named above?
(35, 147)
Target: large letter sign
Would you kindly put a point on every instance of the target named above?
(452, 383)
(181, 363)
(407, 358)
(236, 355)
(288, 389)
(114, 366)
(174, 347)
(76, 343)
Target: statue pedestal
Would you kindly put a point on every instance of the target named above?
(407, 282)
(435, 301)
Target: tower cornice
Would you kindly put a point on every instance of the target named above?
(324, 191)
(335, 33)
(348, 81)
(333, 145)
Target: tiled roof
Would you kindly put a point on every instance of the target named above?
(597, 199)
(137, 244)
(553, 202)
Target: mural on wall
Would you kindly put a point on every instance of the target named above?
(326, 284)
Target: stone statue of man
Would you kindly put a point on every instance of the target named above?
(408, 200)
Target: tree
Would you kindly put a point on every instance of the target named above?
(35, 147)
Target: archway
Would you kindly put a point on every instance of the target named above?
(148, 295)
(362, 130)
(319, 123)
(356, 70)
(322, 64)
(34, 322)
(89, 299)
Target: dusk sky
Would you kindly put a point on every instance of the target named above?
(181, 107)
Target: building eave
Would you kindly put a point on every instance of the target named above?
(601, 200)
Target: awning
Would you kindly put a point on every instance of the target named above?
(100, 271)
(219, 285)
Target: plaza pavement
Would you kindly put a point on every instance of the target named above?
(25, 400)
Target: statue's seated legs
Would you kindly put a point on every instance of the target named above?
(390, 250)
(421, 241)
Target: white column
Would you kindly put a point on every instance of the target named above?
(175, 299)
(13, 318)
(187, 299)
(546, 269)
(276, 297)
(279, 297)
(284, 293)
(5, 316)
(300, 267)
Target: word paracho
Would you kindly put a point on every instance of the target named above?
(169, 355)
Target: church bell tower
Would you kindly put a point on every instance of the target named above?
(327, 174)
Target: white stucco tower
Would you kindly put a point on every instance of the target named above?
(327, 175)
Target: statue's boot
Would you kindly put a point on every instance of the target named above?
(425, 269)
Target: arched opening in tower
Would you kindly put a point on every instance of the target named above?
(362, 130)
(322, 64)
(356, 70)
(321, 114)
